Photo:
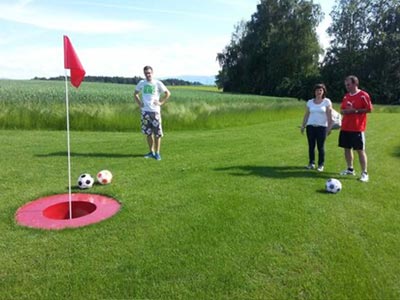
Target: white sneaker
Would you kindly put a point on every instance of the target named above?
(320, 168)
(364, 177)
(310, 167)
(348, 172)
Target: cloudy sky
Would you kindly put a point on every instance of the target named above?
(119, 37)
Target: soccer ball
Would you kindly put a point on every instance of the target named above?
(85, 181)
(104, 177)
(333, 186)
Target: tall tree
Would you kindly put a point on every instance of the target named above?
(365, 42)
(275, 51)
(349, 33)
(383, 55)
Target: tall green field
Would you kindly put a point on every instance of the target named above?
(111, 107)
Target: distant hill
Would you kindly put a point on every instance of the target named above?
(205, 80)
(125, 80)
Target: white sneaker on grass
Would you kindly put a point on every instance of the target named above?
(348, 172)
(310, 167)
(364, 177)
(320, 168)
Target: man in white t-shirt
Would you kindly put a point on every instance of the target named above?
(154, 95)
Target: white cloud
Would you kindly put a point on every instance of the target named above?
(324, 38)
(23, 3)
(189, 57)
(21, 12)
(154, 9)
(31, 61)
(240, 4)
(185, 55)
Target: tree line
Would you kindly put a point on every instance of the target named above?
(123, 80)
(277, 52)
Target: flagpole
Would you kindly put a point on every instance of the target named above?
(68, 148)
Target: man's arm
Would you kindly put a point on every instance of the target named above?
(349, 111)
(137, 99)
(165, 97)
(366, 110)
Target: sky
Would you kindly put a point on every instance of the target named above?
(117, 38)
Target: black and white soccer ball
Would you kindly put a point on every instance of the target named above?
(333, 186)
(85, 181)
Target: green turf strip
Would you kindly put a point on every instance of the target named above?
(227, 214)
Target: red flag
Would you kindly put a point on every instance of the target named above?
(72, 62)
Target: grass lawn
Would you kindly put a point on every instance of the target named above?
(227, 214)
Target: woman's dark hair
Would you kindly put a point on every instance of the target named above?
(321, 86)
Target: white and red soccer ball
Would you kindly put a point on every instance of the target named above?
(104, 177)
(85, 181)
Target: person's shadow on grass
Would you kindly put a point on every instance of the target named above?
(396, 152)
(94, 155)
(277, 172)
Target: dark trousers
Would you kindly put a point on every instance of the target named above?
(316, 136)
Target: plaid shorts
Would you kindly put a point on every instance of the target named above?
(151, 123)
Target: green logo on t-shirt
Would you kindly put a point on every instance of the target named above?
(149, 89)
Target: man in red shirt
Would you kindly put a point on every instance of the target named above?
(355, 107)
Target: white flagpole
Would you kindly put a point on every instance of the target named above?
(68, 147)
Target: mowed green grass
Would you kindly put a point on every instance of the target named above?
(227, 214)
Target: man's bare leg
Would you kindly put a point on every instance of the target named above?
(158, 144)
(362, 155)
(150, 141)
(348, 153)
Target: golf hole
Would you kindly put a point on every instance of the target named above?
(60, 211)
(52, 212)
